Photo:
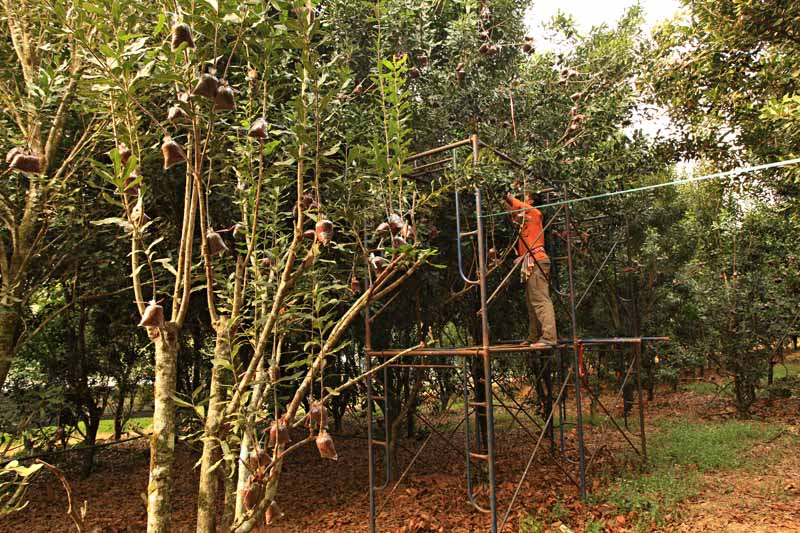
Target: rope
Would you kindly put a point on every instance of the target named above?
(693, 179)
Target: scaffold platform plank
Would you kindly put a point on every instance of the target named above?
(511, 347)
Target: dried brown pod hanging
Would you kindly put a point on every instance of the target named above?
(14, 152)
(214, 242)
(310, 234)
(307, 200)
(264, 459)
(279, 433)
(325, 446)
(413, 73)
(224, 101)
(25, 161)
(484, 49)
(422, 61)
(138, 216)
(273, 514)
(172, 152)
(253, 492)
(395, 222)
(258, 462)
(176, 114)
(460, 73)
(379, 263)
(355, 285)
(527, 45)
(324, 231)
(130, 186)
(567, 74)
(317, 416)
(240, 233)
(408, 232)
(258, 129)
(206, 86)
(383, 230)
(153, 316)
(29, 163)
(182, 34)
(124, 153)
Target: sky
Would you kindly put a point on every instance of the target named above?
(590, 13)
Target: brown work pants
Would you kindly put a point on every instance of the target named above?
(541, 317)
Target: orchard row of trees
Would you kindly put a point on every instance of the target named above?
(200, 199)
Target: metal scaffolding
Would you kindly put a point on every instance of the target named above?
(557, 362)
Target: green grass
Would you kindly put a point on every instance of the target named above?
(530, 524)
(107, 426)
(707, 445)
(679, 453)
(654, 496)
(781, 371)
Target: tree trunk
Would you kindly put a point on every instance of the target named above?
(228, 473)
(209, 482)
(246, 445)
(119, 410)
(9, 323)
(162, 442)
(92, 425)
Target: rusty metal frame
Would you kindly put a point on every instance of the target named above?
(486, 350)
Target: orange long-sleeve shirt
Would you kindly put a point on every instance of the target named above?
(531, 233)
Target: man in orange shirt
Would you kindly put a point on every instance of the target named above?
(535, 269)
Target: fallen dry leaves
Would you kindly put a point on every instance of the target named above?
(320, 496)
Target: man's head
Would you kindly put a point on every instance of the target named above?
(534, 198)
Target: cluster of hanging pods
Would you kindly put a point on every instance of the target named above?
(398, 231)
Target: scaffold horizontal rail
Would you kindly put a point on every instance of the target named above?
(474, 351)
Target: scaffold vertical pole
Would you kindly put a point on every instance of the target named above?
(573, 318)
(487, 360)
(638, 355)
(370, 436)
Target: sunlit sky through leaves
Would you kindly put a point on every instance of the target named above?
(590, 13)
